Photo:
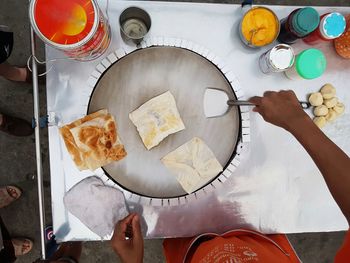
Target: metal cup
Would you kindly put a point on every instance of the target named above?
(248, 42)
(141, 23)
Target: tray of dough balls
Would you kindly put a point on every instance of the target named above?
(327, 106)
(146, 125)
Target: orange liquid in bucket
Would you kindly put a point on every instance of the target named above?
(64, 22)
(76, 27)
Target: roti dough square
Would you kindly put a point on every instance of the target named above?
(193, 164)
(156, 119)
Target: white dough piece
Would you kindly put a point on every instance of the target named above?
(156, 119)
(320, 121)
(328, 91)
(316, 99)
(321, 110)
(331, 116)
(339, 108)
(193, 164)
(330, 103)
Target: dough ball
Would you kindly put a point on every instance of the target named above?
(328, 91)
(339, 108)
(316, 99)
(330, 103)
(321, 110)
(331, 116)
(320, 121)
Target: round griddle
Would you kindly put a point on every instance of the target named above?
(143, 74)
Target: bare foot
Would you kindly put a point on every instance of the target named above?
(22, 245)
(8, 194)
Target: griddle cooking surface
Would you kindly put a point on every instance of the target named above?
(144, 74)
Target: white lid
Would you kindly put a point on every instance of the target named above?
(282, 56)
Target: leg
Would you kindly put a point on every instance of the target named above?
(13, 73)
(70, 250)
(8, 253)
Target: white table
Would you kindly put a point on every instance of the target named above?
(276, 188)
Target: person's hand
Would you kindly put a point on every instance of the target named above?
(127, 240)
(280, 108)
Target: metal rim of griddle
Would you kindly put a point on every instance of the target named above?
(244, 130)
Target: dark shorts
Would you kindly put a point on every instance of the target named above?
(6, 45)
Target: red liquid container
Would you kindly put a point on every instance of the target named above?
(298, 24)
(332, 25)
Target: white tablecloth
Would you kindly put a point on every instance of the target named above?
(276, 188)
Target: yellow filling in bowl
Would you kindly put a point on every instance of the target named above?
(260, 26)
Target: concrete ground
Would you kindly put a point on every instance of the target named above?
(17, 162)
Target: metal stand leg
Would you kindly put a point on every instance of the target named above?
(37, 145)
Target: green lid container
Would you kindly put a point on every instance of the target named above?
(311, 63)
(305, 20)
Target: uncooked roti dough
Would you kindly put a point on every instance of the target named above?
(339, 108)
(156, 119)
(330, 103)
(320, 121)
(331, 116)
(328, 108)
(328, 91)
(321, 110)
(316, 99)
(193, 164)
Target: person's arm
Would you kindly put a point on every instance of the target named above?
(283, 109)
(127, 240)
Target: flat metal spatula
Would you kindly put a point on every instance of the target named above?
(217, 103)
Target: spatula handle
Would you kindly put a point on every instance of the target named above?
(303, 104)
(239, 103)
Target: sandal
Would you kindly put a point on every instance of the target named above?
(15, 126)
(22, 245)
(8, 194)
